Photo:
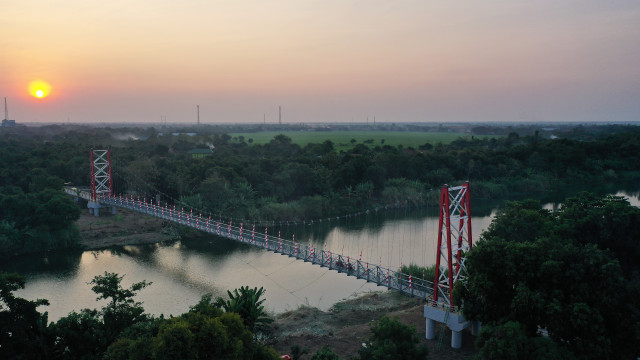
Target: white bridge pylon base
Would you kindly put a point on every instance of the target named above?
(94, 208)
(454, 320)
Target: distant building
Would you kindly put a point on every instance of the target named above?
(200, 153)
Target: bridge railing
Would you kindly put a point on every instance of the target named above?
(307, 252)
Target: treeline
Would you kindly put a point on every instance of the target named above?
(283, 181)
(35, 214)
(561, 284)
(231, 328)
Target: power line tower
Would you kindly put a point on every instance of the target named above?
(6, 121)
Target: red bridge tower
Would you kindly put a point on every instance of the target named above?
(101, 183)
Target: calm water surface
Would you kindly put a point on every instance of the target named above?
(182, 271)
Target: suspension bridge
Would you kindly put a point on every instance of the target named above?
(454, 241)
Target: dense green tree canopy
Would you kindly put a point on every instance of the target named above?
(392, 340)
(22, 328)
(280, 180)
(121, 330)
(547, 272)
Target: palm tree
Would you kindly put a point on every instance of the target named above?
(246, 302)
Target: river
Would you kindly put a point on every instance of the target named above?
(182, 271)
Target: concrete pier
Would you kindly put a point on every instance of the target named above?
(431, 329)
(454, 320)
(94, 208)
(456, 339)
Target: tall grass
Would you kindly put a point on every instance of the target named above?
(420, 272)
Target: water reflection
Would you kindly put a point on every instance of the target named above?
(183, 271)
(62, 262)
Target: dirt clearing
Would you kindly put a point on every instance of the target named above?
(347, 324)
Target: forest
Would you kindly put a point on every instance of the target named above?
(561, 284)
(280, 180)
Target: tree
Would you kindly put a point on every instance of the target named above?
(325, 354)
(390, 339)
(363, 192)
(521, 221)
(127, 349)
(246, 302)
(542, 277)
(80, 335)
(508, 341)
(175, 342)
(122, 311)
(22, 328)
(194, 335)
(609, 222)
(206, 307)
(297, 352)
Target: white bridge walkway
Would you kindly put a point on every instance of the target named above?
(343, 264)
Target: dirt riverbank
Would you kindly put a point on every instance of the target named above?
(347, 325)
(124, 228)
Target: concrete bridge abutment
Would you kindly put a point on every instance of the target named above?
(94, 208)
(454, 320)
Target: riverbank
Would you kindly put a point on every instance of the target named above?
(126, 227)
(346, 325)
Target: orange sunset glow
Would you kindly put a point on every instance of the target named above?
(39, 89)
(338, 61)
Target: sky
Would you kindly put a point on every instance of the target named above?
(321, 60)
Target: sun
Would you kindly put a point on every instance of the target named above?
(39, 89)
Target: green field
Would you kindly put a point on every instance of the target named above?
(342, 140)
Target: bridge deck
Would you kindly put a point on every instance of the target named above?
(343, 264)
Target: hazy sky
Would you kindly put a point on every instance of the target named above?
(322, 60)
